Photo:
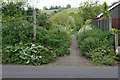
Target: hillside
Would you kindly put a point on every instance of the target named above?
(75, 10)
(69, 10)
(49, 12)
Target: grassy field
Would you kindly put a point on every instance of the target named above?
(75, 10)
(49, 12)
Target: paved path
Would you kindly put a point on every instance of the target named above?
(74, 59)
(71, 66)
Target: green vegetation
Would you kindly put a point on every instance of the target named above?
(98, 46)
(27, 54)
(53, 29)
(56, 7)
(106, 13)
(89, 9)
(119, 39)
(18, 45)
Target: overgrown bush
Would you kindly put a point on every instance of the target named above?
(98, 46)
(88, 22)
(17, 31)
(21, 31)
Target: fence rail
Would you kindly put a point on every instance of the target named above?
(103, 24)
(106, 24)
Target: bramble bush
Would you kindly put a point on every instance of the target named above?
(98, 46)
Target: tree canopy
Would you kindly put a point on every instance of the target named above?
(89, 9)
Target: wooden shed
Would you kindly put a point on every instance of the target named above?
(112, 22)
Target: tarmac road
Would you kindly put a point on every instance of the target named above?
(24, 71)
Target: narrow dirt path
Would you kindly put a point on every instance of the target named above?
(74, 59)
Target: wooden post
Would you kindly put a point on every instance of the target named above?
(34, 17)
(93, 24)
(98, 24)
(110, 24)
(116, 41)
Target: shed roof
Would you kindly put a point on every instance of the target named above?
(109, 8)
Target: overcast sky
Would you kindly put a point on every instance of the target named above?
(73, 3)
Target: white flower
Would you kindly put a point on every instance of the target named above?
(27, 61)
(24, 53)
(117, 50)
(40, 56)
(33, 45)
(32, 56)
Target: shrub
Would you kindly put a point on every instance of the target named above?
(55, 43)
(59, 41)
(17, 31)
(35, 55)
(98, 46)
(88, 22)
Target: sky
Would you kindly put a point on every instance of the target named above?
(74, 3)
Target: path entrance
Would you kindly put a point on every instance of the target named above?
(74, 59)
(71, 66)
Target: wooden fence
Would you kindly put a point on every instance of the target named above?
(107, 25)
(116, 23)
(102, 24)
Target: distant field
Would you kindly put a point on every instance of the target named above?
(49, 12)
(75, 10)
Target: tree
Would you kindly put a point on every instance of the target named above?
(55, 12)
(61, 18)
(45, 8)
(89, 9)
(42, 20)
(68, 6)
(56, 7)
(105, 10)
(30, 13)
(13, 9)
(51, 8)
(78, 21)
